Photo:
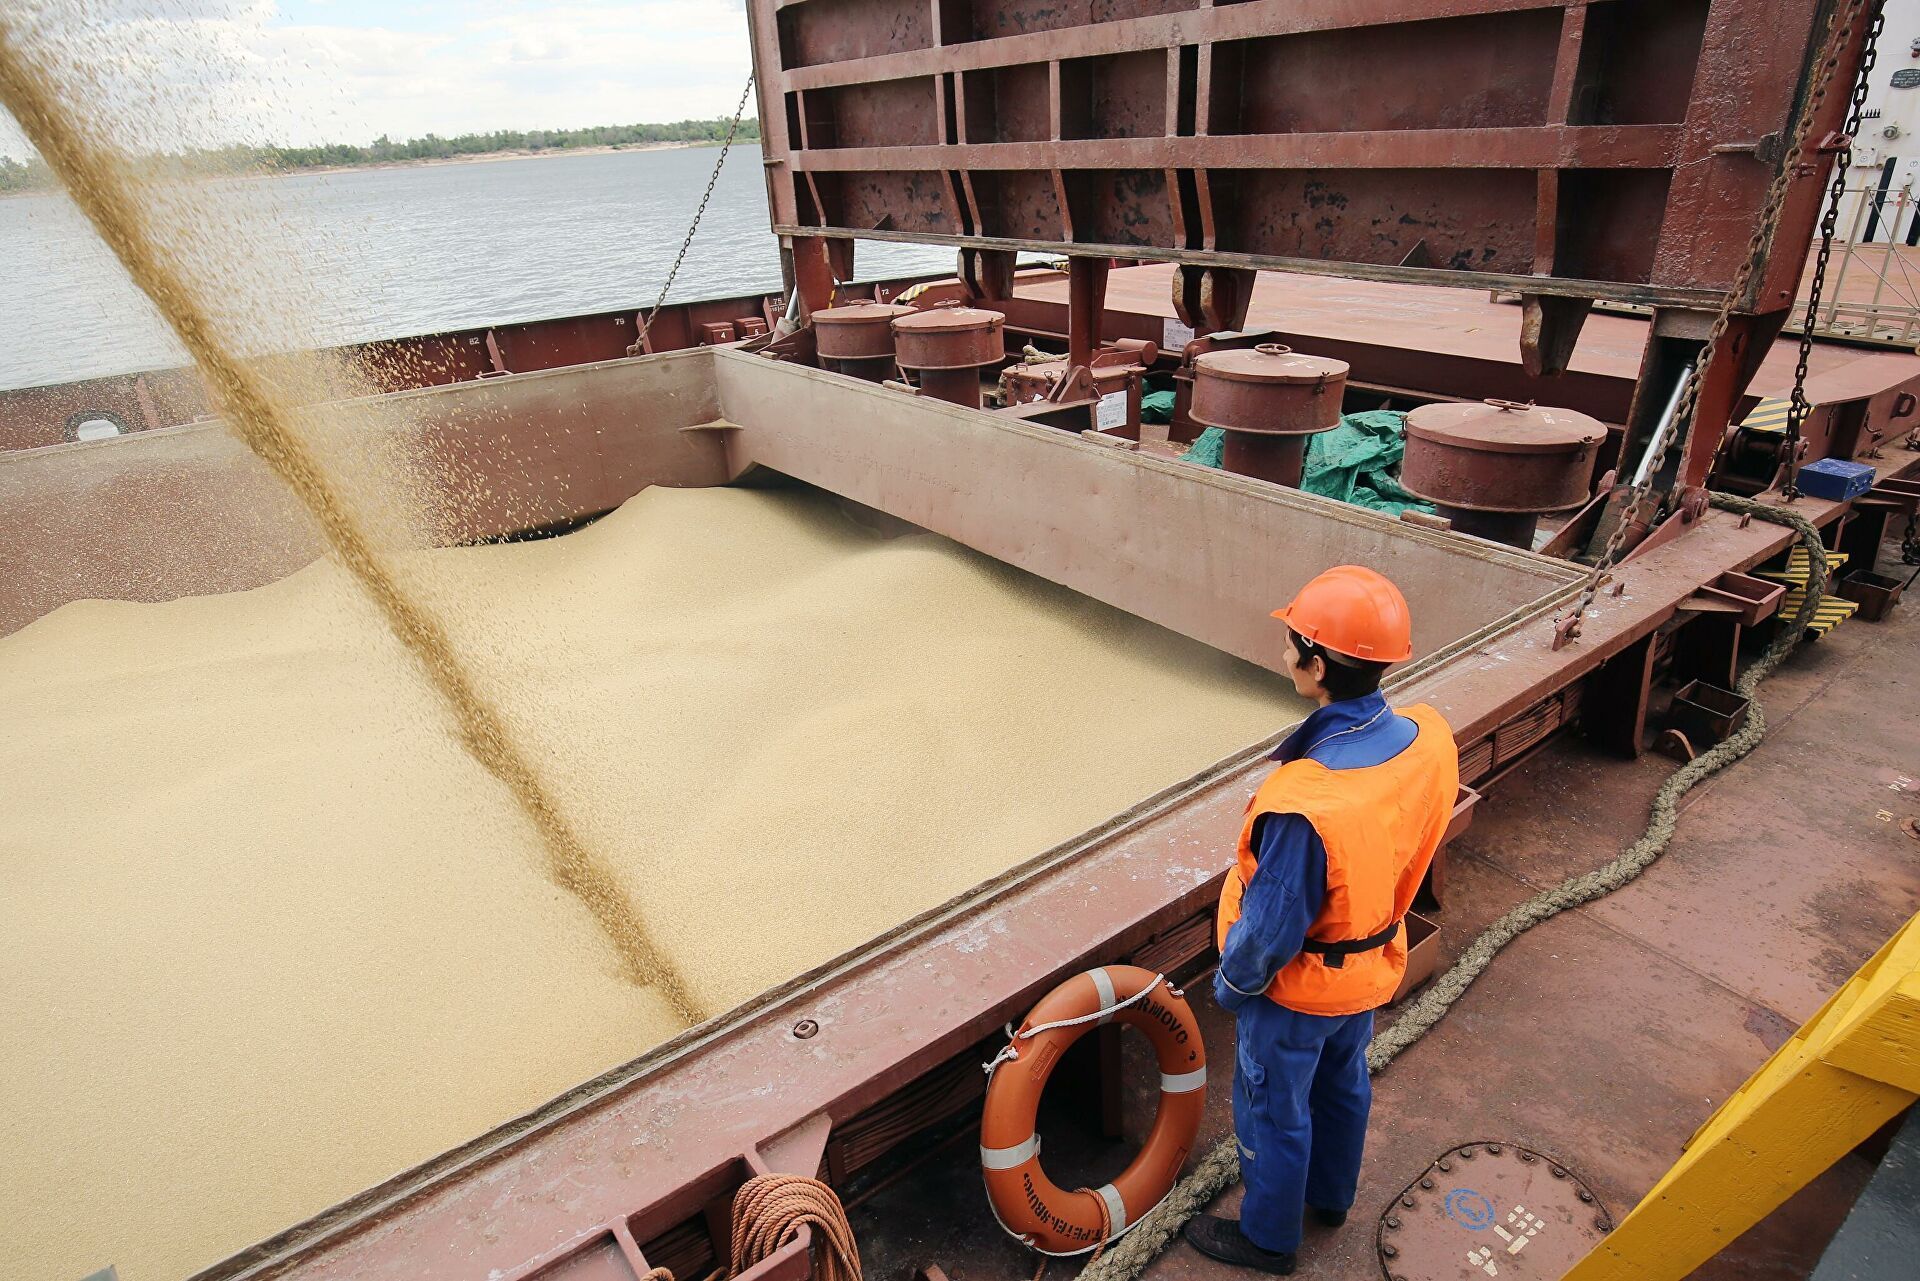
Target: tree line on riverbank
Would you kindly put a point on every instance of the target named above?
(33, 174)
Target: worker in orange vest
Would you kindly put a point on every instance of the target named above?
(1334, 846)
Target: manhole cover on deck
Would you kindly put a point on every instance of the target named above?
(1490, 1210)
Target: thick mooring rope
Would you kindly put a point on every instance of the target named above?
(1219, 1169)
(769, 1210)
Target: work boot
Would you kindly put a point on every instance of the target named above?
(1222, 1239)
(1328, 1218)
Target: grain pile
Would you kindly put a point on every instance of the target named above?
(189, 289)
(305, 884)
(271, 936)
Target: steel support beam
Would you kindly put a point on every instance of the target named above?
(987, 274)
(1086, 303)
(1549, 330)
(1211, 300)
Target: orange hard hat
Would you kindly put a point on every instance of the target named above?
(1354, 611)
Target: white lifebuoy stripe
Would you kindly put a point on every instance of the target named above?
(1010, 1158)
(1183, 1082)
(1042, 1215)
(1103, 982)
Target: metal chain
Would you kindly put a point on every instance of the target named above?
(646, 325)
(1798, 408)
(1839, 36)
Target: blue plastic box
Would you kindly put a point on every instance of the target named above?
(1832, 479)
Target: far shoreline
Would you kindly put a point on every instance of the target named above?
(422, 162)
(490, 157)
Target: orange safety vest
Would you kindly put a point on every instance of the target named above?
(1380, 825)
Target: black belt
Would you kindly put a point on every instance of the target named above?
(1337, 952)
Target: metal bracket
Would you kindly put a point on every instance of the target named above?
(1767, 148)
(1549, 331)
(1566, 629)
(1662, 534)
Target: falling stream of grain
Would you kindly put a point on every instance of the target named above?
(100, 183)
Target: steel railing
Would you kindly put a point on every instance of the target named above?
(1873, 285)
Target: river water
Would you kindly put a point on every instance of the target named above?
(423, 248)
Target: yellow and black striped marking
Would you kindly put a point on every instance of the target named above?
(1833, 611)
(1769, 415)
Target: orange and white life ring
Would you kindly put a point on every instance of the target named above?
(1028, 1204)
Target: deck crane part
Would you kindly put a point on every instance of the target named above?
(1219, 1169)
(1829, 224)
(1759, 251)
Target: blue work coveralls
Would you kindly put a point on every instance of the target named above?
(1301, 1090)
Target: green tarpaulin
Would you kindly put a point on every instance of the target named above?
(1357, 462)
(1156, 407)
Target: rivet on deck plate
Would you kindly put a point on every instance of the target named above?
(1443, 1166)
(1527, 1157)
(1407, 1201)
(1603, 1223)
(1466, 1154)
(1388, 1251)
(1494, 1148)
(804, 1029)
(1393, 1220)
(1426, 1184)
(1559, 1173)
(1586, 1195)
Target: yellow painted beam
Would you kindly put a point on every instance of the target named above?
(1727, 1183)
(1884, 1044)
(1849, 1070)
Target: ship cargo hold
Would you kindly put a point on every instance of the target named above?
(1520, 230)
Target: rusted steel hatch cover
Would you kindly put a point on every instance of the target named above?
(1490, 1210)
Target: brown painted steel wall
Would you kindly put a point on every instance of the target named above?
(187, 510)
(31, 417)
(1598, 150)
(1203, 552)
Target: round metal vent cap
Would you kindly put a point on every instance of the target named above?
(1505, 427)
(857, 331)
(1270, 363)
(940, 320)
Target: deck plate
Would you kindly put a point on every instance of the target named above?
(1490, 1210)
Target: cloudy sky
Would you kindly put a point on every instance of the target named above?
(305, 71)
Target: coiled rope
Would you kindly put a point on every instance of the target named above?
(1219, 1169)
(769, 1211)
